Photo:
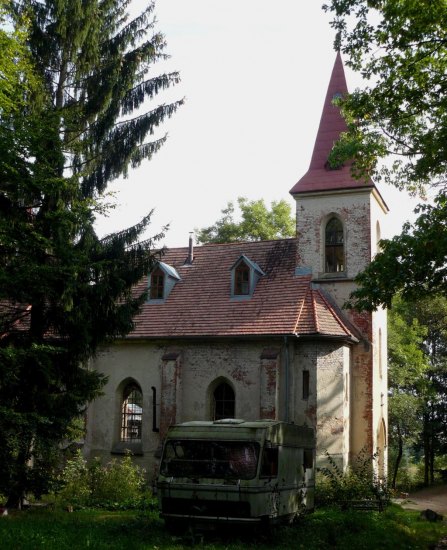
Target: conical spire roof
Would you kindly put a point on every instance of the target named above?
(320, 177)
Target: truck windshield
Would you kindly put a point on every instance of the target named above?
(210, 459)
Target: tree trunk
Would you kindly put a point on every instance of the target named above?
(15, 499)
(426, 451)
(432, 460)
(398, 458)
(16, 493)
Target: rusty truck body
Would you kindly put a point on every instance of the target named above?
(232, 471)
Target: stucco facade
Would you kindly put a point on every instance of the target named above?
(185, 376)
(261, 323)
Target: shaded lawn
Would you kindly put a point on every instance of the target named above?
(393, 529)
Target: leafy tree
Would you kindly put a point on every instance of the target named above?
(64, 291)
(413, 262)
(432, 313)
(14, 63)
(407, 364)
(418, 379)
(257, 223)
(401, 49)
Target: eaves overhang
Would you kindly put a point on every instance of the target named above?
(209, 337)
(349, 338)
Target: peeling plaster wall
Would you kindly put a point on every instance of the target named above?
(327, 408)
(362, 215)
(183, 375)
(380, 386)
(348, 385)
(118, 363)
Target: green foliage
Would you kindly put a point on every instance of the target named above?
(16, 69)
(401, 115)
(359, 482)
(400, 48)
(69, 125)
(76, 486)
(117, 485)
(257, 223)
(326, 528)
(410, 475)
(412, 263)
(418, 381)
(407, 367)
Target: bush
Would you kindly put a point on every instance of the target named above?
(118, 485)
(76, 486)
(359, 482)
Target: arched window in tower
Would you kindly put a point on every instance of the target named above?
(334, 246)
(223, 402)
(131, 413)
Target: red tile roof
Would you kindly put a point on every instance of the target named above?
(319, 177)
(200, 304)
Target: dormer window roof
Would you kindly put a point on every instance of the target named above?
(244, 276)
(162, 280)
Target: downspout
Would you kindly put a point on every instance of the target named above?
(154, 409)
(286, 377)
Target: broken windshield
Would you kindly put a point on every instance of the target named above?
(211, 459)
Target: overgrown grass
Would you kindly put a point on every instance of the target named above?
(395, 528)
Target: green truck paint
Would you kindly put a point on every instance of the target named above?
(236, 472)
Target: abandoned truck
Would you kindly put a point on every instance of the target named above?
(236, 472)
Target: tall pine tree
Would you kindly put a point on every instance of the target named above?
(64, 291)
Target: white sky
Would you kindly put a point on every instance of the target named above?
(254, 75)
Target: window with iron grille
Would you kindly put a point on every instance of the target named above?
(334, 246)
(131, 414)
(224, 402)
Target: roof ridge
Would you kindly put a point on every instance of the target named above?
(234, 243)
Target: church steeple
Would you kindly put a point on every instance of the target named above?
(320, 177)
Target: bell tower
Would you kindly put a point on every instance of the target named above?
(338, 220)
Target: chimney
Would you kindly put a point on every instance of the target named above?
(190, 258)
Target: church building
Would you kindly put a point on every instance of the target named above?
(257, 330)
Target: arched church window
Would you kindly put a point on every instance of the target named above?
(131, 413)
(334, 246)
(223, 402)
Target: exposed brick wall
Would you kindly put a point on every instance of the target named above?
(326, 409)
(360, 213)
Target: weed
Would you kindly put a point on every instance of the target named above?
(119, 485)
(359, 482)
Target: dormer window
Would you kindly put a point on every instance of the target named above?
(245, 274)
(161, 281)
(334, 246)
(157, 284)
(242, 280)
